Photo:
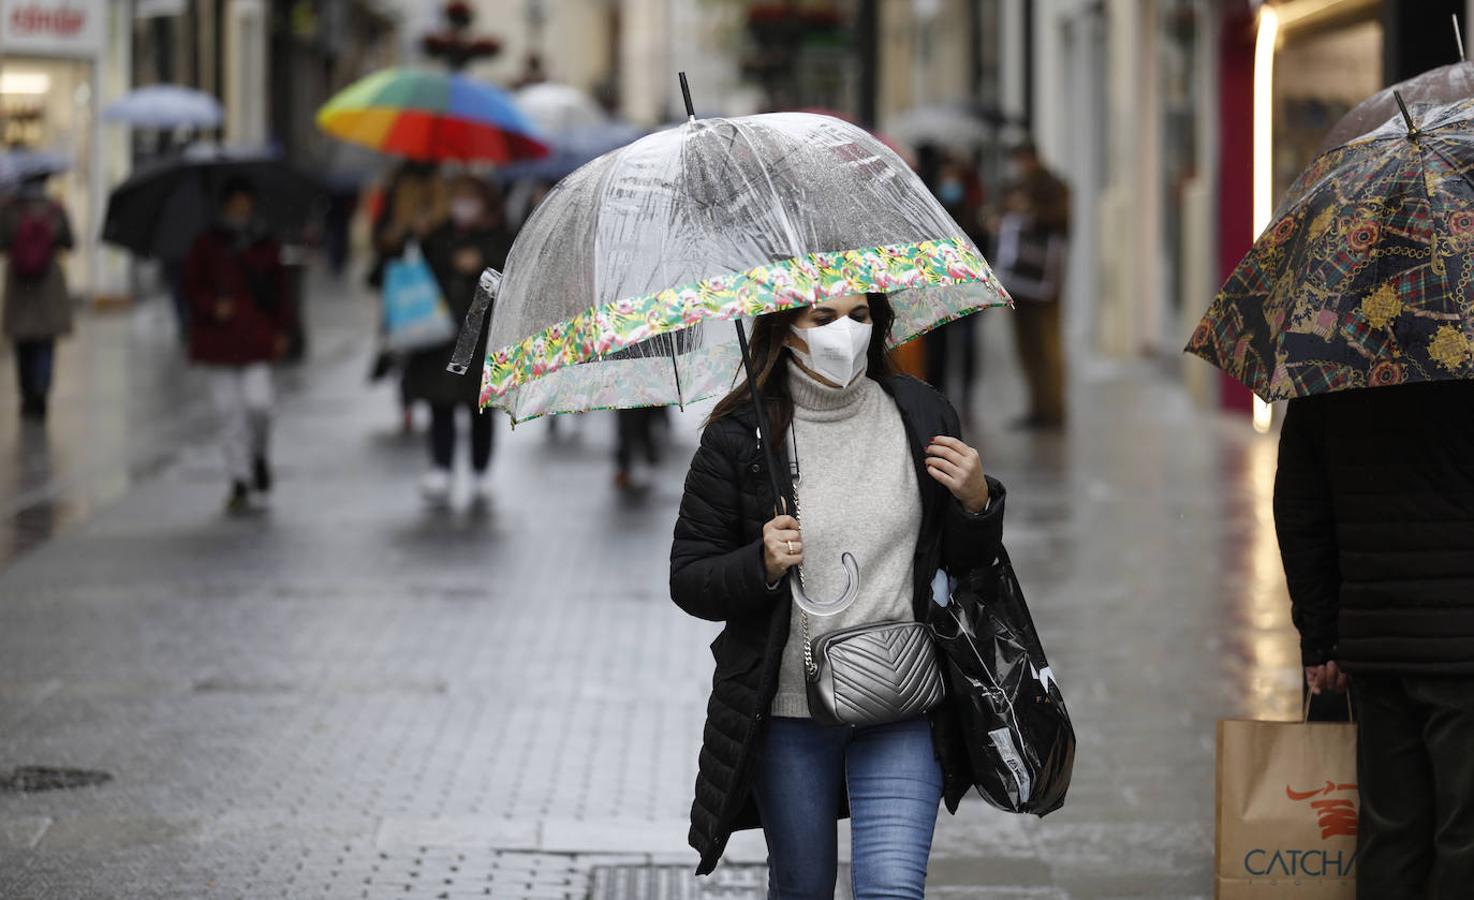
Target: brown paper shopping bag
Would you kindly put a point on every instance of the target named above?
(1287, 806)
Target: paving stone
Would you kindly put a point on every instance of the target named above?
(22, 833)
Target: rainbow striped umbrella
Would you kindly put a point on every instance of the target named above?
(432, 117)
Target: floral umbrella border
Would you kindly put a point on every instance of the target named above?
(762, 289)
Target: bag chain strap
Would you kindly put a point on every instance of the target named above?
(810, 668)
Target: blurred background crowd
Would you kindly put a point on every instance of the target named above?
(1101, 153)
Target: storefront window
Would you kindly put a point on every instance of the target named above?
(1319, 75)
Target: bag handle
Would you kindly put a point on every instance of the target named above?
(1305, 708)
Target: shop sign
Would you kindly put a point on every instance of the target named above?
(53, 27)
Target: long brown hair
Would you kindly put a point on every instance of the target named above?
(770, 353)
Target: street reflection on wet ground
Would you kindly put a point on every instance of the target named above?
(349, 695)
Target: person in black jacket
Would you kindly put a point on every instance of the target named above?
(884, 473)
(1374, 505)
(474, 237)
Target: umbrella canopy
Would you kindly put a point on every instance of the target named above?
(165, 106)
(161, 210)
(943, 126)
(617, 288)
(906, 153)
(1361, 279)
(431, 117)
(558, 109)
(1445, 84)
(572, 149)
(18, 165)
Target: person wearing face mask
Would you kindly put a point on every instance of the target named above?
(473, 237)
(883, 474)
(1030, 261)
(952, 350)
(240, 322)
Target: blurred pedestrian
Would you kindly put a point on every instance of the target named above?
(1374, 506)
(885, 476)
(635, 437)
(474, 237)
(414, 205)
(34, 229)
(955, 344)
(241, 321)
(1030, 261)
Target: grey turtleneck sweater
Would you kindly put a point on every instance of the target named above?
(857, 492)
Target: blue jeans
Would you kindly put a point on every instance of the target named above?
(894, 784)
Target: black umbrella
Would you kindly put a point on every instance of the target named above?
(161, 210)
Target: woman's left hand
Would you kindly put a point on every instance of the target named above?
(960, 470)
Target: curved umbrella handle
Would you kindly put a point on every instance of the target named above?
(830, 607)
(486, 288)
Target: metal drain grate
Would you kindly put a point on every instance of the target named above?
(677, 883)
(33, 779)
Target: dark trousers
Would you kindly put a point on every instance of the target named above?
(34, 362)
(173, 271)
(635, 433)
(1415, 766)
(955, 340)
(443, 435)
(1040, 342)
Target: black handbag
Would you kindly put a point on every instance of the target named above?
(1020, 743)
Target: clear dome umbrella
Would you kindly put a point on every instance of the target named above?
(619, 289)
(1443, 85)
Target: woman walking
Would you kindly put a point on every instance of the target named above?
(474, 237)
(884, 476)
(38, 309)
(414, 206)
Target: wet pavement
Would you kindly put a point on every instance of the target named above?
(350, 696)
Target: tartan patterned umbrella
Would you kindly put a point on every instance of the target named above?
(1363, 278)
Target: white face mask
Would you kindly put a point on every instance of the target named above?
(837, 350)
(465, 211)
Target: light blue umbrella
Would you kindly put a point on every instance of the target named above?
(18, 165)
(166, 106)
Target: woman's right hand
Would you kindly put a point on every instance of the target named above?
(782, 547)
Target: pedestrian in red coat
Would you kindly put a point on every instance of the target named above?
(240, 323)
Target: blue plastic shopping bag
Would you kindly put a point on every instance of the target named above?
(415, 314)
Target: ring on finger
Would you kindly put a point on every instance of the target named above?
(790, 548)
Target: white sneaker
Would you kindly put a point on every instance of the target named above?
(435, 486)
(480, 487)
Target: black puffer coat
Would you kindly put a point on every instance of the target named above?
(1374, 505)
(717, 574)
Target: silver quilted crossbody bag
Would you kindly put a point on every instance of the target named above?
(869, 674)
(872, 674)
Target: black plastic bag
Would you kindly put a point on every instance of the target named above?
(1020, 742)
